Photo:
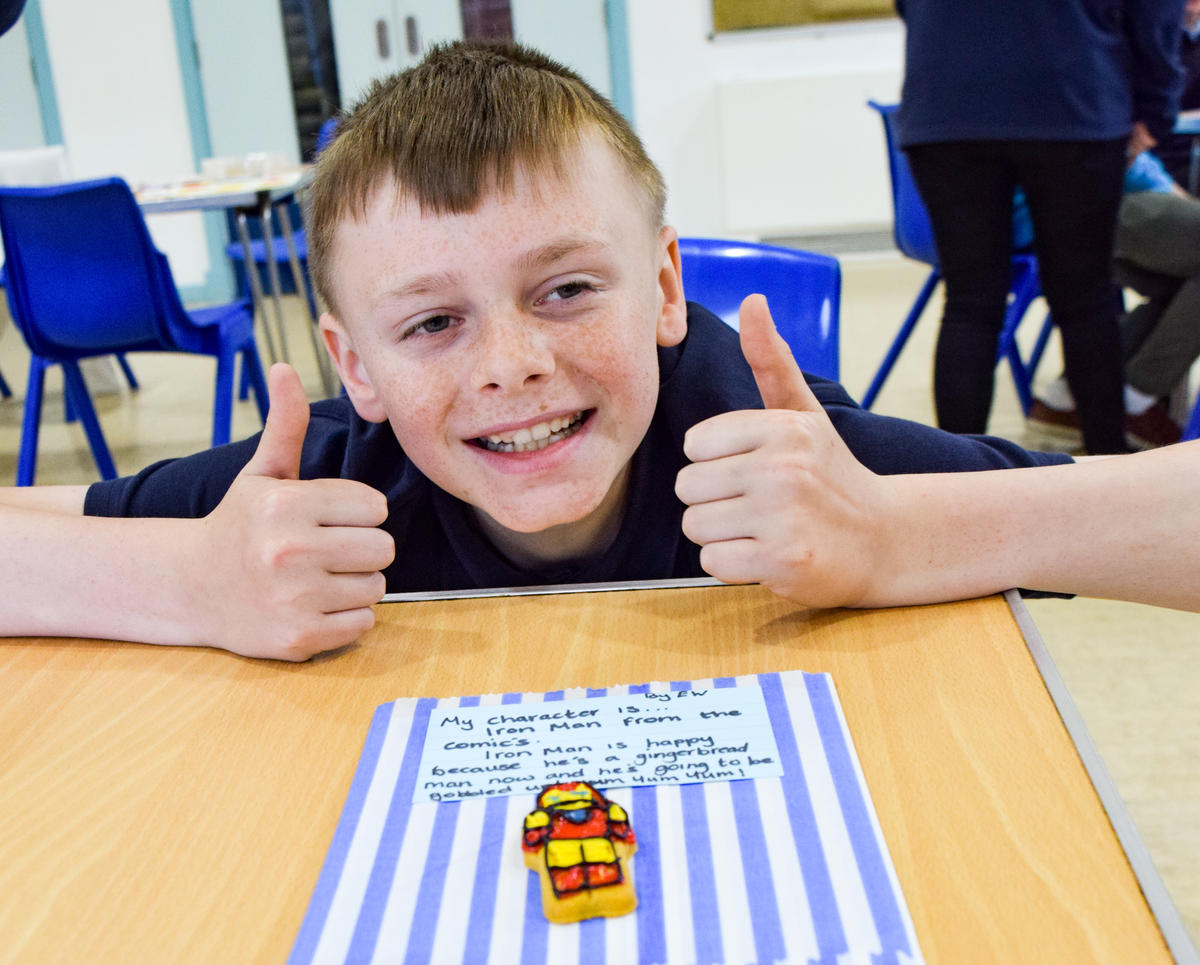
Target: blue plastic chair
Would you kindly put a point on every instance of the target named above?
(5, 391)
(802, 288)
(1192, 429)
(914, 238)
(84, 279)
(34, 167)
(327, 133)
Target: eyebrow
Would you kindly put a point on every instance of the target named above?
(422, 285)
(552, 252)
(547, 254)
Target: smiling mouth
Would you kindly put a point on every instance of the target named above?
(533, 438)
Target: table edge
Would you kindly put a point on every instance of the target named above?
(1162, 907)
(552, 589)
(277, 193)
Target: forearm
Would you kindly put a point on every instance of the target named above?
(1123, 528)
(281, 568)
(51, 499)
(78, 576)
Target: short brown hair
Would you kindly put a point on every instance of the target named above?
(457, 123)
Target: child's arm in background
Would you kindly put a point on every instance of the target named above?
(776, 497)
(281, 568)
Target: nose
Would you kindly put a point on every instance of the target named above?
(512, 352)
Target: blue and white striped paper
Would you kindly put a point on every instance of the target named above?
(788, 869)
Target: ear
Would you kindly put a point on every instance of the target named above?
(672, 311)
(351, 370)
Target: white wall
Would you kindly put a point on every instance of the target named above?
(120, 101)
(572, 32)
(244, 75)
(764, 132)
(20, 118)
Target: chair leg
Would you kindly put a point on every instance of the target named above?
(893, 353)
(31, 421)
(243, 384)
(77, 394)
(129, 376)
(252, 375)
(223, 396)
(1024, 289)
(1192, 431)
(1039, 348)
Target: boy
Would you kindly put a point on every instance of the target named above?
(528, 395)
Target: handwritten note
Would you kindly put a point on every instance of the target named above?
(664, 737)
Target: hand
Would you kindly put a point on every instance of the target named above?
(774, 496)
(1140, 139)
(287, 567)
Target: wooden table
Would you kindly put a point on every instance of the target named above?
(165, 804)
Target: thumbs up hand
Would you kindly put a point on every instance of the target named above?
(290, 567)
(774, 496)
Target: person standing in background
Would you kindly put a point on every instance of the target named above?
(1047, 97)
(1175, 150)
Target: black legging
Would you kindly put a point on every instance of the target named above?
(1074, 190)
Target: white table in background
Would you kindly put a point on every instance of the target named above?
(261, 196)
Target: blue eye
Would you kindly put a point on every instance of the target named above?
(439, 323)
(432, 325)
(572, 289)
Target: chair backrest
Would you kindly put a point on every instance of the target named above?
(28, 167)
(910, 220)
(84, 276)
(803, 289)
(328, 131)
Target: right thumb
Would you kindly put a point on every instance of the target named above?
(278, 453)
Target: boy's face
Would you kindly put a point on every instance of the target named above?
(512, 348)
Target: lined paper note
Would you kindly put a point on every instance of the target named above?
(621, 740)
(791, 868)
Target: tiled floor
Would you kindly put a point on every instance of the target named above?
(1132, 670)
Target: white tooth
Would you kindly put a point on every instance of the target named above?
(522, 436)
(496, 439)
(541, 431)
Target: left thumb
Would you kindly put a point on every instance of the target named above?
(780, 381)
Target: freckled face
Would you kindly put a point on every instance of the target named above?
(512, 348)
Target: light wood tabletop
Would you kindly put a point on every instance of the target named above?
(168, 804)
